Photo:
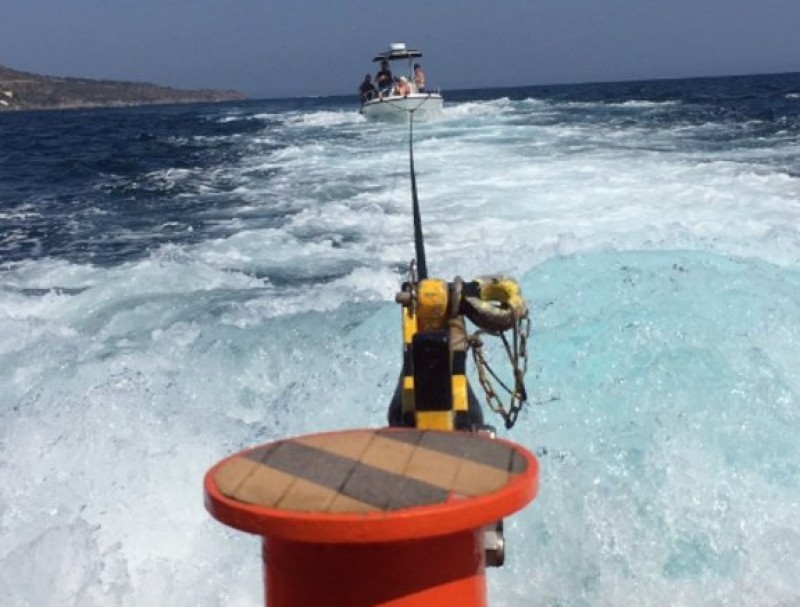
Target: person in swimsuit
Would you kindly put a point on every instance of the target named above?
(402, 88)
(419, 78)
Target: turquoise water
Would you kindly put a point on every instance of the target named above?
(668, 401)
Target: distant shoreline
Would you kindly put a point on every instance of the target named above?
(27, 91)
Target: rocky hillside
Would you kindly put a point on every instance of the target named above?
(24, 91)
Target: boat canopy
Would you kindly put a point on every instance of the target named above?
(397, 51)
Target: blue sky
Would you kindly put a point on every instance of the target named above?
(277, 48)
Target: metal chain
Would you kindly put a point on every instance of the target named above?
(518, 356)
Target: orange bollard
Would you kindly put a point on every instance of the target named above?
(367, 518)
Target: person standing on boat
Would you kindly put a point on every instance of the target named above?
(384, 78)
(367, 90)
(419, 78)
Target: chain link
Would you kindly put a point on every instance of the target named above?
(518, 357)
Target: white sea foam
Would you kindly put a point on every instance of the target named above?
(639, 103)
(477, 108)
(325, 118)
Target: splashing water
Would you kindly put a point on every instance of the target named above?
(223, 277)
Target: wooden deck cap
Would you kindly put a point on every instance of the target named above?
(370, 485)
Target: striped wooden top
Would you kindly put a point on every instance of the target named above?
(362, 473)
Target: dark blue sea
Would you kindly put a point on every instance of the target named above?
(179, 282)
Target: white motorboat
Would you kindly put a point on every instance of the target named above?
(388, 105)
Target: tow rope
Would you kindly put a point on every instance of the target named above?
(433, 390)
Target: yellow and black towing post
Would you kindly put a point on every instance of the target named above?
(433, 391)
